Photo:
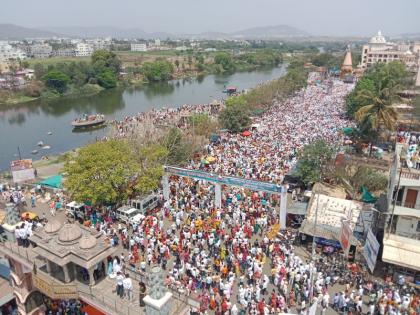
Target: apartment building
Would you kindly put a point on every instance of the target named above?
(83, 50)
(65, 52)
(380, 50)
(138, 47)
(41, 51)
(402, 235)
(8, 52)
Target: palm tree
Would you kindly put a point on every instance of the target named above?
(379, 110)
(379, 102)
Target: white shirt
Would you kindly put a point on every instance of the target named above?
(127, 283)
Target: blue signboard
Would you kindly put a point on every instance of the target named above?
(227, 180)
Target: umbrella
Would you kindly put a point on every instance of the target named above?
(211, 159)
(246, 133)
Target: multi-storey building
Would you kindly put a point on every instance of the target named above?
(402, 235)
(138, 47)
(65, 52)
(379, 50)
(41, 51)
(8, 52)
(83, 50)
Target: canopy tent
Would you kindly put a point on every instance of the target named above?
(347, 130)
(246, 133)
(53, 181)
(367, 196)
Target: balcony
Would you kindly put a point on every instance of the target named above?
(406, 209)
(410, 178)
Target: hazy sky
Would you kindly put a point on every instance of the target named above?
(318, 17)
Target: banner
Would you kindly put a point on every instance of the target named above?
(22, 170)
(371, 249)
(227, 180)
(345, 235)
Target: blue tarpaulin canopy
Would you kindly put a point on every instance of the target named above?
(53, 181)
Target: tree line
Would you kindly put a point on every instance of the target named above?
(102, 70)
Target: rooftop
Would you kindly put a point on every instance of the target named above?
(71, 242)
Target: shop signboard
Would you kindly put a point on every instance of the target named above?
(22, 170)
(345, 235)
(371, 249)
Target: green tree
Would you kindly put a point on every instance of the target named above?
(107, 79)
(235, 116)
(177, 64)
(159, 70)
(107, 58)
(151, 158)
(179, 148)
(202, 124)
(101, 173)
(314, 160)
(39, 71)
(225, 60)
(56, 80)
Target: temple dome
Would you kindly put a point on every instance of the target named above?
(378, 39)
(87, 242)
(52, 226)
(69, 233)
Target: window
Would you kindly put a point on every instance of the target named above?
(418, 226)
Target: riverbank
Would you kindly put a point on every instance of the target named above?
(9, 98)
(29, 123)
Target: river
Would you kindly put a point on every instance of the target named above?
(26, 124)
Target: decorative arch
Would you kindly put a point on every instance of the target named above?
(33, 300)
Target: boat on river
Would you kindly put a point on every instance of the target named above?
(88, 121)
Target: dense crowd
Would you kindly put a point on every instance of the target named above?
(271, 149)
(163, 116)
(232, 259)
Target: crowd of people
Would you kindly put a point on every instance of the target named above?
(271, 148)
(232, 259)
(163, 116)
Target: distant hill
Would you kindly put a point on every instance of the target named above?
(270, 32)
(106, 31)
(11, 31)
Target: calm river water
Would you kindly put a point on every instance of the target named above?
(25, 125)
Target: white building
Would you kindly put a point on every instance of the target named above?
(379, 50)
(157, 42)
(83, 50)
(8, 52)
(402, 236)
(138, 47)
(65, 52)
(41, 50)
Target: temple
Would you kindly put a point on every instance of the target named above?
(347, 66)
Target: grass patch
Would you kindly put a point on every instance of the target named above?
(55, 60)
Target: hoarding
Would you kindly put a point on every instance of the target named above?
(227, 180)
(345, 235)
(22, 170)
(371, 249)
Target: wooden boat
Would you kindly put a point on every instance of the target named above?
(88, 121)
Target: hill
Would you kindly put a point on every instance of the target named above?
(270, 32)
(106, 31)
(11, 31)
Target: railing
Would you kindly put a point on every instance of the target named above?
(23, 252)
(110, 302)
(410, 175)
(411, 205)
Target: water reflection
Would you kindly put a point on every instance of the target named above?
(29, 123)
(158, 89)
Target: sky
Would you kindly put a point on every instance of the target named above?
(317, 17)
